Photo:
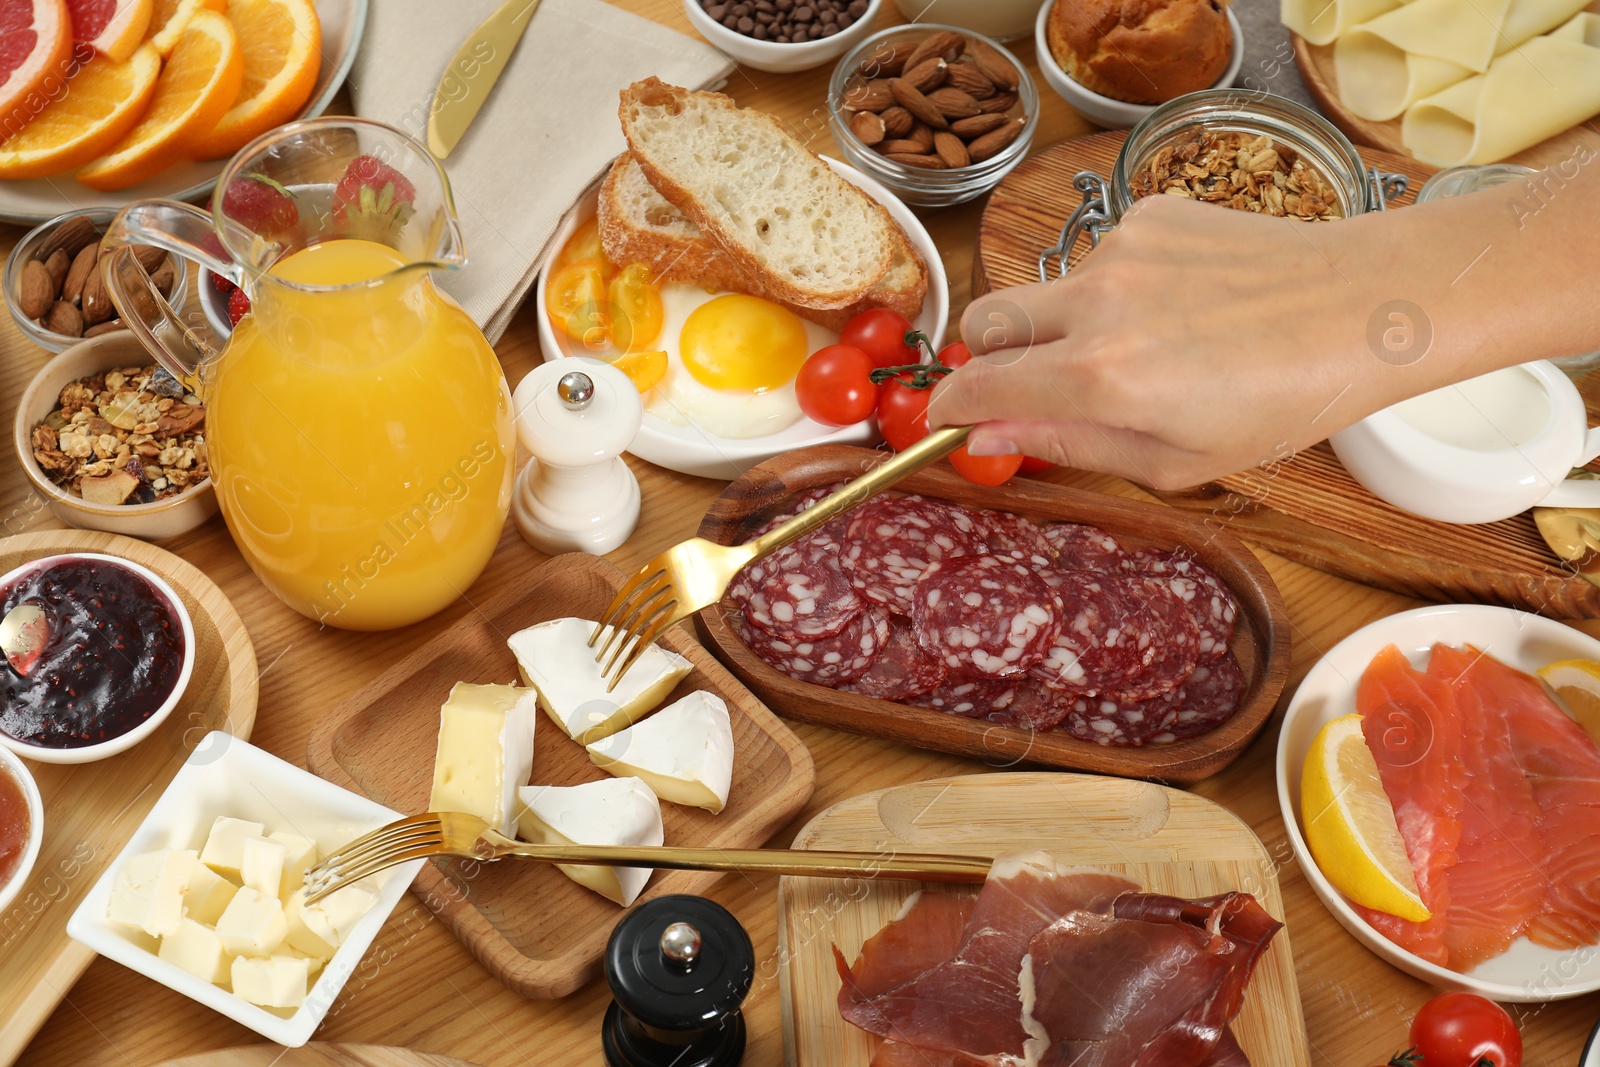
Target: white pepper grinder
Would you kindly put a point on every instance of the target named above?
(575, 416)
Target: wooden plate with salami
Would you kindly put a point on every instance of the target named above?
(1259, 642)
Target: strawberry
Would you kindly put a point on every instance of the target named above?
(238, 306)
(220, 284)
(373, 196)
(258, 203)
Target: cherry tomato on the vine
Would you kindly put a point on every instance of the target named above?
(902, 414)
(881, 334)
(1034, 465)
(984, 470)
(1465, 1030)
(834, 386)
(955, 355)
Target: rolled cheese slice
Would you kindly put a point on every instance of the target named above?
(1531, 93)
(1323, 21)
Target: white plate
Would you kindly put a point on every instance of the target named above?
(227, 776)
(1591, 1050)
(1526, 973)
(38, 199)
(689, 449)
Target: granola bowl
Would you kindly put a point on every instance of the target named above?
(156, 520)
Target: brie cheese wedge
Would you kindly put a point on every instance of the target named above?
(485, 752)
(613, 811)
(555, 658)
(684, 752)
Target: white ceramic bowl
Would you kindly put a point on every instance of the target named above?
(775, 56)
(1526, 973)
(691, 450)
(155, 521)
(10, 764)
(1105, 110)
(1590, 1057)
(227, 776)
(123, 742)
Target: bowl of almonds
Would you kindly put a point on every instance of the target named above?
(54, 288)
(936, 113)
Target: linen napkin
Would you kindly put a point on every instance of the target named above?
(545, 134)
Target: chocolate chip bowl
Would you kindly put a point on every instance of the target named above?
(751, 32)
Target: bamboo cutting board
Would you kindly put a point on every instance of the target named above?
(1167, 840)
(1309, 508)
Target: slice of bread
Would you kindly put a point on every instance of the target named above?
(639, 225)
(778, 211)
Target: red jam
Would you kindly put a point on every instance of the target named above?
(113, 657)
(14, 825)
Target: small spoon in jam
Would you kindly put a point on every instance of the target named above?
(23, 634)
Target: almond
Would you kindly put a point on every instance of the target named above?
(902, 147)
(998, 104)
(950, 148)
(927, 75)
(35, 293)
(994, 66)
(995, 141)
(96, 303)
(82, 265)
(897, 121)
(887, 61)
(869, 96)
(70, 236)
(944, 44)
(58, 264)
(970, 80)
(907, 96)
(978, 125)
(867, 127)
(953, 103)
(64, 319)
(921, 135)
(923, 162)
(109, 326)
(149, 256)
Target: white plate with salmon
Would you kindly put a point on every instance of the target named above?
(1494, 790)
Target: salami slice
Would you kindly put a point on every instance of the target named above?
(901, 670)
(1035, 706)
(799, 504)
(1122, 723)
(1081, 547)
(1198, 586)
(984, 615)
(1210, 698)
(891, 542)
(1100, 646)
(1014, 537)
(830, 661)
(972, 698)
(799, 592)
(1165, 626)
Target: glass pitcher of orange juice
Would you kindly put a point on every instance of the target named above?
(358, 424)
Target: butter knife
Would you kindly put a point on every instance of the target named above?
(472, 72)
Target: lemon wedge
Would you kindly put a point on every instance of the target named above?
(1350, 825)
(1577, 684)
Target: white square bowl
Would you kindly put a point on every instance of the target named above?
(227, 776)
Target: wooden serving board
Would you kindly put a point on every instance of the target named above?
(91, 809)
(316, 1054)
(1315, 63)
(531, 926)
(1261, 640)
(1309, 508)
(1168, 840)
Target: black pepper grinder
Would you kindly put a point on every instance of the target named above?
(679, 967)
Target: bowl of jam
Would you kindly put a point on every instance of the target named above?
(21, 826)
(117, 654)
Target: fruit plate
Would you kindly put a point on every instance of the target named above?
(39, 199)
(1526, 973)
(691, 450)
(531, 926)
(1261, 639)
(1166, 839)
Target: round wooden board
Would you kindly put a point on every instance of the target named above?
(1028, 208)
(316, 1054)
(1315, 63)
(91, 809)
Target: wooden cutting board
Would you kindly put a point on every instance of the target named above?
(91, 809)
(316, 1054)
(1167, 840)
(1308, 509)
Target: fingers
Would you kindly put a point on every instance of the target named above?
(1015, 318)
(1021, 384)
(1125, 453)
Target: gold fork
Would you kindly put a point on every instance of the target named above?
(451, 833)
(693, 574)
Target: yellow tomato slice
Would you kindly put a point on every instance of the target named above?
(636, 312)
(575, 299)
(585, 244)
(645, 369)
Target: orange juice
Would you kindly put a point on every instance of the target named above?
(360, 438)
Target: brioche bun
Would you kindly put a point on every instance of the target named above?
(1141, 51)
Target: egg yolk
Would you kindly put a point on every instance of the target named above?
(743, 343)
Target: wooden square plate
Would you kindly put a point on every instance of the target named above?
(532, 927)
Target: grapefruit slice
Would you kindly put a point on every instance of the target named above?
(282, 42)
(102, 102)
(113, 28)
(35, 45)
(169, 17)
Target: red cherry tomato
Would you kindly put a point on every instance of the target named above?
(902, 414)
(1465, 1030)
(984, 470)
(881, 334)
(835, 386)
(955, 355)
(1034, 465)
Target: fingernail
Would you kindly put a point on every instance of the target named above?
(993, 446)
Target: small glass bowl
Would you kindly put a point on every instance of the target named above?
(929, 188)
(57, 342)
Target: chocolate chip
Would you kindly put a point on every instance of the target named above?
(845, 22)
(829, 29)
(745, 25)
(857, 8)
(760, 32)
(804, 14)
(717, 11)
(741, 10)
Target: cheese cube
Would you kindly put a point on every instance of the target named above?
(149, 889)
(485, 752)
(197, 949)
(613, 811)
(684, 752)
(319, 929)
(252, 924)
(275, 982)
(261, 865)
(555, 658)
(209, 893)
(224, 847)
(299, 853)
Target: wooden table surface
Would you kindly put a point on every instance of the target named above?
(420, 988)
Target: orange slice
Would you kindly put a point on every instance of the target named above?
(195, 89)
(102, 102)
(282, 42)
(35, 54)
(113, 28)
(169, 17)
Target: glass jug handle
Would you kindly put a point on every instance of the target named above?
(183, 230)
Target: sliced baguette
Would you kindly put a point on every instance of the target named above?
(778, 211)
(639, 225)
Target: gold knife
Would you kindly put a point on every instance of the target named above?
(471, 73)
